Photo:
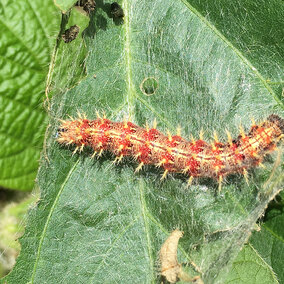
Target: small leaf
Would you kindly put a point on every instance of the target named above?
(250, 267)
(269, 243)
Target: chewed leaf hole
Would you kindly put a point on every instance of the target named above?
(149, 86)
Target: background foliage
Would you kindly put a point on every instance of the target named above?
(98, 222)
(27, 40)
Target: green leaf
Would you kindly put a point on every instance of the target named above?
(98, 222)
(267, 246)
(25, 59)
(269, 242)
(28, 32)
(250, 267)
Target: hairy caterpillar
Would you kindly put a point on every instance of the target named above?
(195, 158)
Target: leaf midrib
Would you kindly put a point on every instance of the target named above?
(130, 88)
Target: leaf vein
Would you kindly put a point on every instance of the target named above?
(48, 220)
(20, 41)
(272, 233)
(235, 50)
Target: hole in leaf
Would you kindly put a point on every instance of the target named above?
(149, 86)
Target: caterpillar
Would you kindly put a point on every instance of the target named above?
(195, 158)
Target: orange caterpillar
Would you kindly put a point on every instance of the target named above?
(195, 158)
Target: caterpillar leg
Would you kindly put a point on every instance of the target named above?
(189, 182)
(164, 174)
(75, 151)
(94, 154)
(101, 152)
(82, 147)
(139, 167)
(118, 159)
